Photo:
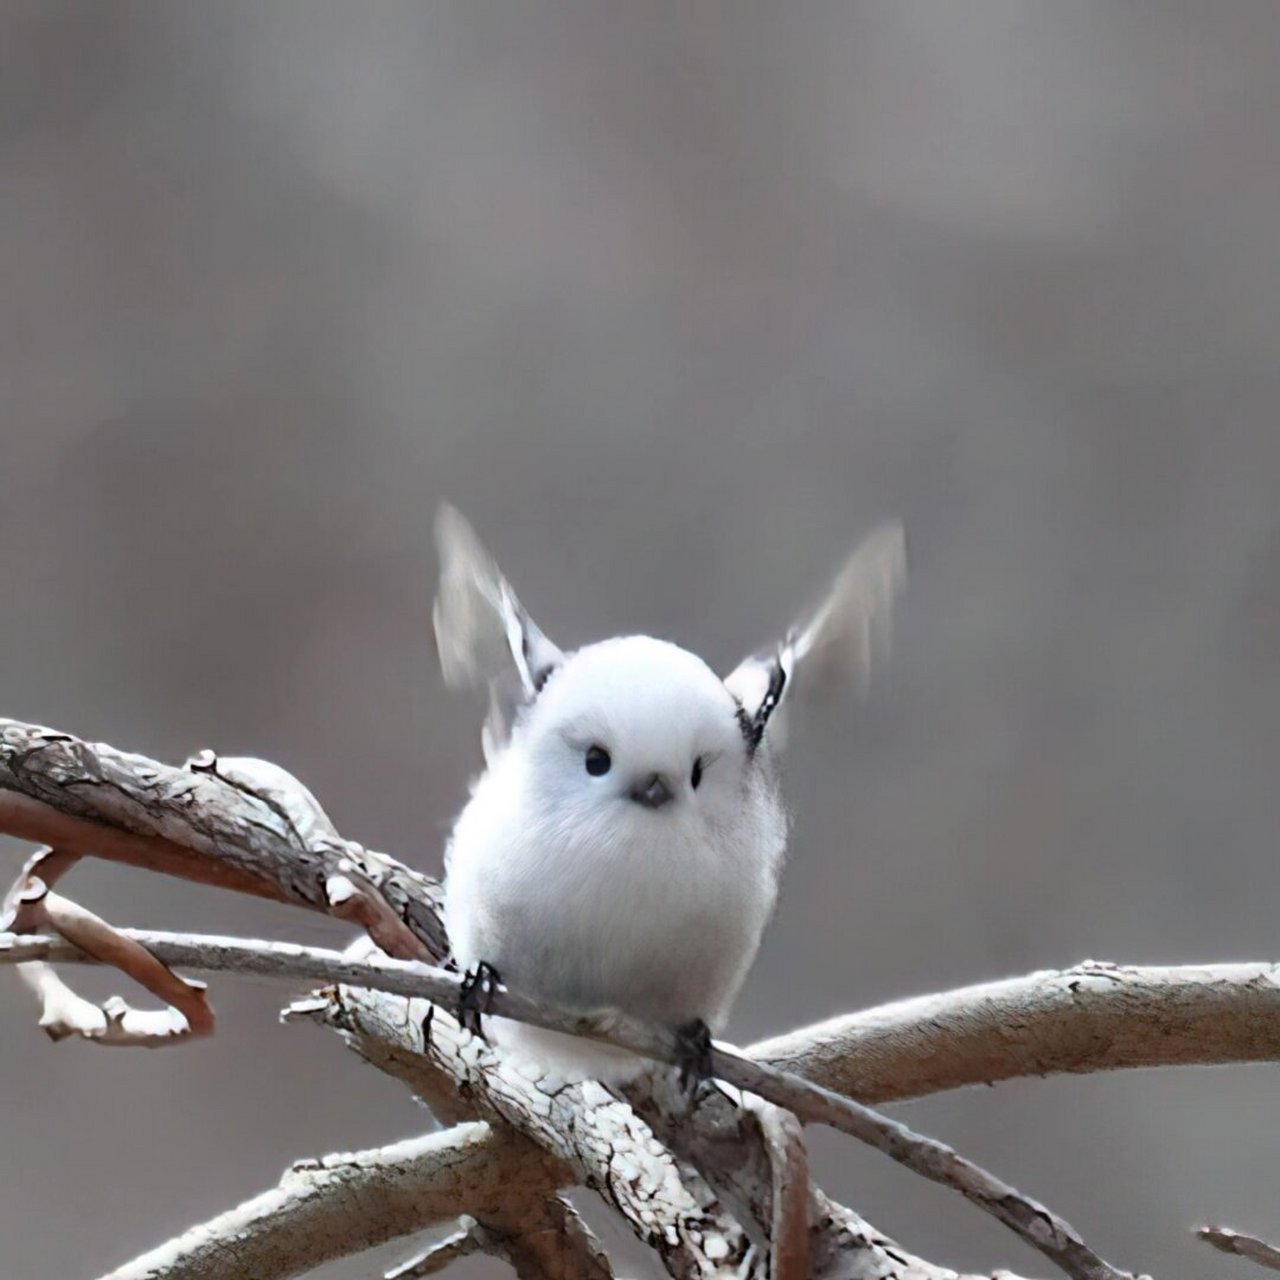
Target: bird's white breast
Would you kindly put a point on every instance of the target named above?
(658, 915)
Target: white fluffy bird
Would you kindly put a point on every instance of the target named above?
(621, 851)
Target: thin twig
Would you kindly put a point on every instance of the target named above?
(1226, 1240)
(1035, 1223)
(30, 907)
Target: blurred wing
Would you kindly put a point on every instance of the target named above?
(836, 646)
(484, 636)
(853, 625)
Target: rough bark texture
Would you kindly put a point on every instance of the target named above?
(637, 1172)
(716, 1190)
(241, 824)
(602, 1143)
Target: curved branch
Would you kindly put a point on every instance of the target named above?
(344, 1204)
(337, 1206)
(29, 906)
(251, 827)
(240, 824)
(1094, 1017)
(790, 1193)
(1225, 1240)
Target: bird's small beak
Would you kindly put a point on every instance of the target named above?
(653, 792)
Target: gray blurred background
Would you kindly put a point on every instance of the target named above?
(675, 302)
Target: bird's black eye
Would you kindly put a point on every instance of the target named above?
(696, 776)
(598, 761)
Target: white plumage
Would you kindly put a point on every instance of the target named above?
(622, 849)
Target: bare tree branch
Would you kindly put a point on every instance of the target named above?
(600, 1141)
(266, 826)
(30, 906)
(340, 1205)
(1093, 1017)
(27, 818)
(726, 1141)
(470, 1238)
(236, 823)
(344, 1204)
(1032, 1221)
(1036, 1224)
(541, 1235)
(207, 824)
(387, 1032)
(790, 1192)
(1244, 1246)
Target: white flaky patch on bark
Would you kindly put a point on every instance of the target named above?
(64, 1013)
(30, 906)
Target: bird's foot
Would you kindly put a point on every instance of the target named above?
(693, 1050)
(475, 997)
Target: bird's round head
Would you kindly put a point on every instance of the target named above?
(637, 726)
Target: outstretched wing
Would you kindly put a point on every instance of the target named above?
(484, 635)
(836, 645)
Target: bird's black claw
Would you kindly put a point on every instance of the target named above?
(693, 1047)
(476, 996)
(426, 1026)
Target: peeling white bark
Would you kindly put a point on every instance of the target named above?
(597, 1138)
